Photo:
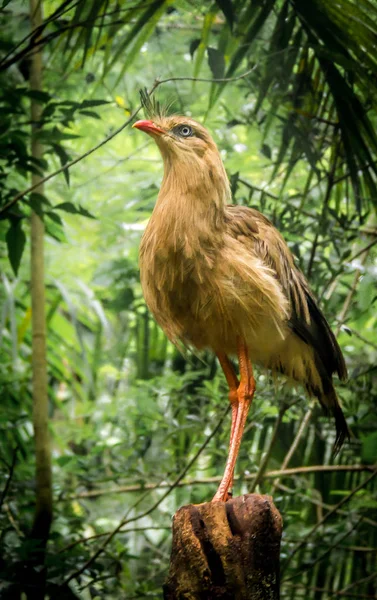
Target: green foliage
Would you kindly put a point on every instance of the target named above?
(129, 412)
(15, 239)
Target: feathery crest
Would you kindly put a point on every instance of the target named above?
(152, 107)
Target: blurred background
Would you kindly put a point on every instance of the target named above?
(137, 429)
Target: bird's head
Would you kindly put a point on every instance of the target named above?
(192, 162)
(179, 138)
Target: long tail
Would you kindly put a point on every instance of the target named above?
(328, 359)
(330, 402)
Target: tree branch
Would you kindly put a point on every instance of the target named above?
(208, 480)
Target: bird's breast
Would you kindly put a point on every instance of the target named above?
(177, 277)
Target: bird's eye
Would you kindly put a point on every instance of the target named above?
(184, 131)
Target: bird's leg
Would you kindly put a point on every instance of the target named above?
(245, 393)
(233, 383)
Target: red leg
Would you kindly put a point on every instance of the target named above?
(233, 384)
(245, 393)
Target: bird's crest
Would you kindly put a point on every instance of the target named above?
(152, 107)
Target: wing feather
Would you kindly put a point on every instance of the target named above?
(306, 318)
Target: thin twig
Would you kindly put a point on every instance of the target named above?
(114, 165)
(95, 536)
(208, 480)
(360, 252)
(253, 187)
(347, 261)
(346, 547)
(325, 590)
(37, 42)
(10, 477)
(362, 338)
(34, 33)
(147, 512)
(12, 520)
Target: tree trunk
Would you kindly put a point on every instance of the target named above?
(43, 509)
(226, 551)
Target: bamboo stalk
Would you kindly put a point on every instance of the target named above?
(43, 509)
(301, 430)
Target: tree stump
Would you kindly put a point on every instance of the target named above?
(226, 551)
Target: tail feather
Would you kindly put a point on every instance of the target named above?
(330, 402)
(328, 359)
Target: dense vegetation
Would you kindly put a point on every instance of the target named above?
(136, 429)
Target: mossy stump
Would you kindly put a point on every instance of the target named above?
(226, 551)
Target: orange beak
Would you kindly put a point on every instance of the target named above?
(149, 127)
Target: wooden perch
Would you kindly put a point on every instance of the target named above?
(226, 551)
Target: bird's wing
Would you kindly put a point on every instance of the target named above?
(306, 320)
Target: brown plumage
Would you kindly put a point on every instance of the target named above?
(221, 276)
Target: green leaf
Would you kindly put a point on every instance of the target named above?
(194, 44)
(206, 31)
(90, 113)
(67, 207)
(266, 151)
(54, 228)
(92, 103)
(64, 159)
(37, 95)
(216, 62)
(71, 208)
(138, 34)
(85, 213)
(260, 14)
(226, 8)
(51, 137)
(36, 202)
(54, 217)
(41, 198)
(62, 461)
(5, 126)
(369, 448)
(15, 239)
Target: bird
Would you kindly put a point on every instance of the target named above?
(220, 276)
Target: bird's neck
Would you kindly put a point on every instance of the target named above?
(192, 200)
